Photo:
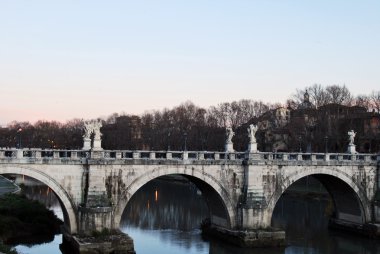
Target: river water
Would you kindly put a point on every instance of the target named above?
(164, 217)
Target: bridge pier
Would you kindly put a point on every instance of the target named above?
(97, 232)
(254, 230)
(95, 219)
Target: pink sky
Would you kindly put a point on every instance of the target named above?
(87, 59)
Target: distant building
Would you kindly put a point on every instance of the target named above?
(309, 129)
(272, 129)
(306, 104)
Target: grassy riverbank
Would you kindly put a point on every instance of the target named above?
(22, 219)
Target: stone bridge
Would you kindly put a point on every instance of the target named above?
(241, 189)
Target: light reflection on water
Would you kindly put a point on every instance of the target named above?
(167, 241)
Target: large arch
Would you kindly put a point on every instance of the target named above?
(205, 182)
(345, 193)
(68, 207)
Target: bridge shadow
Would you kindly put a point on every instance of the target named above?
(310, 205)
(170, 202)
(171, 208)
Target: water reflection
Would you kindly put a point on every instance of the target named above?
(166, 204)
(46, 248)
(180, 209)
(164, 217)
(36, 190)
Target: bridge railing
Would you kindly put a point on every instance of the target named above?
(35, 153)
(173, 155)
(319, 157)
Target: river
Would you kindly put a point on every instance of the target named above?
(164, 217)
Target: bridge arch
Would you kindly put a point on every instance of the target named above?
(68, 208)
(217, 197)
(350, 200)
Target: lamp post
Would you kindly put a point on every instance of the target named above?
(203, 144)
(185, 139)
(300, 145)
(19, 130)
(326, 140)
(169, 141)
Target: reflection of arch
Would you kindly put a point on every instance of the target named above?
(205, 182)
(68, 207)
(340, 186)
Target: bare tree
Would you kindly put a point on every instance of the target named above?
(237, 113)
(317, 94)
(320, 96)
(291, 104)
(339, 95)
(375, 100)
(364, 101)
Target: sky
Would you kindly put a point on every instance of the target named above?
(61, 60)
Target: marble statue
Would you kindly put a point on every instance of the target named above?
(351, 137)
(88, 128)
(229, 135)
(92, 127)
(252, 129)
(96, 129)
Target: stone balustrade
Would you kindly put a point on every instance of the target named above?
(50, 154)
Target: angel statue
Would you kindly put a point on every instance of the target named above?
(252, 129)
(229, 134)
(351, 137)
(88, 129)
(96, 128)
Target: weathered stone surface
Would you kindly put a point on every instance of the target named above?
(115, 243)
(242, 191)
(247, 238)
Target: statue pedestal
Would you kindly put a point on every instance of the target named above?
(351, 149)
(97, 145)
(252, 148)
(229, 148)
(86, 144)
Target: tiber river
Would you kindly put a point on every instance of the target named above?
(164, 217)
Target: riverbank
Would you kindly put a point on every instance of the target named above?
(5, 249)
(26, 221)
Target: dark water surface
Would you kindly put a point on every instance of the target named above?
(164, 217)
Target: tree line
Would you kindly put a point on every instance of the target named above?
(186, 126)
(335, 94)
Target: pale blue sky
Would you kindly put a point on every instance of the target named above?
(85, 59)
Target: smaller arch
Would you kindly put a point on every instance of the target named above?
(67, 205)
(196, 176)
(328, 178)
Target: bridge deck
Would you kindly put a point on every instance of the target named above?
(35, 155)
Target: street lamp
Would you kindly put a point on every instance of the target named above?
(300, 145)
(185, 139)
(203, 144)
(326, 140)
(51, 144)
(168, 141)
(19, 137)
